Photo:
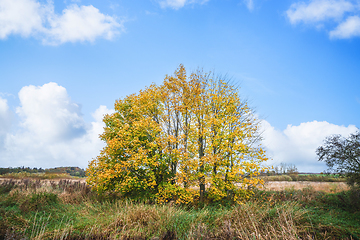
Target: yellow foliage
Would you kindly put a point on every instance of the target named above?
(192, 131)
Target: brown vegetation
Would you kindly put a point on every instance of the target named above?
(317, 186)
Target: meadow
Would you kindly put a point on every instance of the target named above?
(330, 183)
(69, 209)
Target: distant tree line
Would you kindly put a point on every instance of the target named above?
(72, 171)
(282, 169)
(21, 169)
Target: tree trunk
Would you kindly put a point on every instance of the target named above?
(201, 169)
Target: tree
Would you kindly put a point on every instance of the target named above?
(190, 132)
(342, 156)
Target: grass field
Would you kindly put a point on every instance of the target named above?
(24, 175)
(329, 187)
(305, 177)
(65, 209)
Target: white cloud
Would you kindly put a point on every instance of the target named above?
(50, 104)
(249, 4)
(297, 144)
(349, 28)
(84, 23)
(4, 109)
(52, 131)
(318, 10)
(75, 24)
(5, 120)
(22, 17)
(177, 4)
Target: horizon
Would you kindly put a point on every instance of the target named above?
(35, 168)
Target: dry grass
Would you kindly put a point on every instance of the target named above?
(70, 183)
(329, 187)
(68, 191)
(140, 221)
(254, 221)
(22, 175)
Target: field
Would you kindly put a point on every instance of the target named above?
(68, 209)
(305, 178)
(329, 187)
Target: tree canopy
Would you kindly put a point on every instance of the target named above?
(342, 156)
(190, 139)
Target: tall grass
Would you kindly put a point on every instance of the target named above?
(70, 210)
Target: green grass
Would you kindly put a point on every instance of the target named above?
(69, 210)
(305, 177)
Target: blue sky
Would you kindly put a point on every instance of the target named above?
(64, 63)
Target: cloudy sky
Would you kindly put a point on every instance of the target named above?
(64, 63)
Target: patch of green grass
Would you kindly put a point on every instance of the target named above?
(339, 211)
(331, 215)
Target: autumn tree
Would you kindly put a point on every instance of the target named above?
(342, 156)
(190, 138)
